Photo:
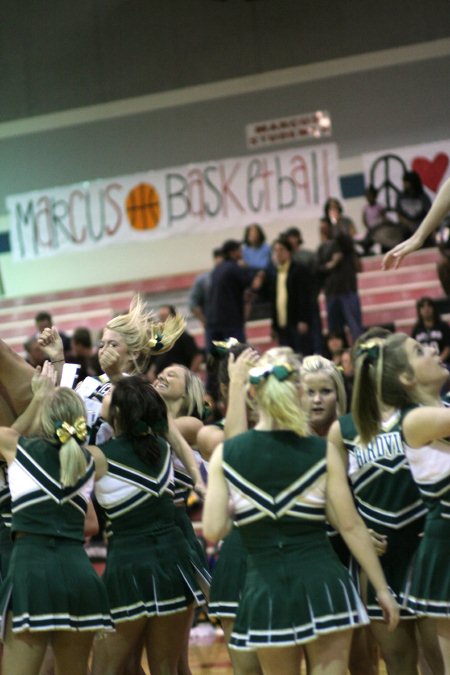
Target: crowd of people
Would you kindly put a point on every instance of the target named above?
(334, 519)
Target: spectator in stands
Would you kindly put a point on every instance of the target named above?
(199, 291)
(413, 203)
(336, 344)
(256, 252)
(339, 264)
(429, 328)
(308, 258)
(335, 219)
(82, 352)
(35, 356)
(348, 373)
(373, 214)
(228, 300)
(291, 299)
(443, 264)
(225, 316)
(44, 320)
(184, 352)
(257, 255)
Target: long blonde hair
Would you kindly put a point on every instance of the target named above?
(63, 408)
(144, 336)
(279, 399)
(194, 399)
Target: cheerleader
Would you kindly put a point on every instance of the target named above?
(127, 342)
(50, 479)
(149, 577)
(183, 393)
(296, 592)
(231, 567)
(401, 373)
(324, 399)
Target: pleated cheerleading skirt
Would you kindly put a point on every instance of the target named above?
(51, 585)
(293, 594)
(428, 589)
(396, 564)
(6, 546)
(228, 577)
(197, 555)
(150, 575)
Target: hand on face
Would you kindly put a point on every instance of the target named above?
(110, 360)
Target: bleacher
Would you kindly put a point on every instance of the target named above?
(386, 297)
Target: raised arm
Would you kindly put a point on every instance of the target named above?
(51, 343)
(42, 384)
(185, 453)
(426, 424)
(216, 510)
(238, 368)
(434, 217)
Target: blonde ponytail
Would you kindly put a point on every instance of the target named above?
(276, 383)
(72, 462)
(64, 419)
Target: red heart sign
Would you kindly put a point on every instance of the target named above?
(431, 172)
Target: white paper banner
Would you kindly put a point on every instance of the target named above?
(385, 168)
(227, 193)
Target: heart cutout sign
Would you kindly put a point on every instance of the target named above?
(431, 171)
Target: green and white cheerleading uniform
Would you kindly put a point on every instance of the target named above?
(428, 591)
(295, 589)
(228, 575)
(50, 584)
(5, 520)
(148, 569)
(387, 500)
(182, 486)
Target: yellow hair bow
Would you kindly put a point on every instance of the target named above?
(78, 430)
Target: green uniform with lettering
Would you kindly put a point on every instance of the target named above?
(388, 501)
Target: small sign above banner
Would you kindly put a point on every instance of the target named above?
(288, 129)
(287, 185)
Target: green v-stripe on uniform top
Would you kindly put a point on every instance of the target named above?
(48, 521)
(148, 569)
(388, 501)
(295, 588)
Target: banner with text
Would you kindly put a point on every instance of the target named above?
(384, 169)
(287, 185)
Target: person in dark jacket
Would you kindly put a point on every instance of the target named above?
(291, 298)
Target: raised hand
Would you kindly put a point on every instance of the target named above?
(51, 343)
(238, 367)
(44, 379)
(109, 359)
(394, 257)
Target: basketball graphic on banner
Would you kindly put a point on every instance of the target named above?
(143, 207)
